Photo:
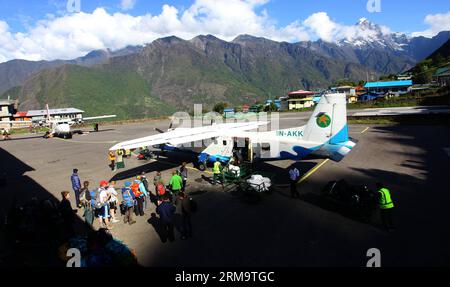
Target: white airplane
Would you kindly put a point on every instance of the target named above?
(58, 127)
(326, 133)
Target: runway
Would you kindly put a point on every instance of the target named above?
(278, 231)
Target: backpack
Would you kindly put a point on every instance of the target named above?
(161, 189)
(135, 188)
(85, 196)
(82, 197)
(98, 204)
(194, 206)
(123, 208)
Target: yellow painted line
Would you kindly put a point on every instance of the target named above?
(365, 130)
(312, 171)
(321, 164)
(192, 168)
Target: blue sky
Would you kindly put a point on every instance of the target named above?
(45, 30)
(399, 15)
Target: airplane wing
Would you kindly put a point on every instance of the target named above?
(187, 135)
(99, 117)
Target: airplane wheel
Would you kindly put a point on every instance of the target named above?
(202, 166)
(67, 136)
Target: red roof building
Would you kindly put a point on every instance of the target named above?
(300, 94)
(300, 99)
(245, 108)
(21, 116)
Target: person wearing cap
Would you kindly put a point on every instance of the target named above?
(102, 204)
(128, 199)
(76, 186)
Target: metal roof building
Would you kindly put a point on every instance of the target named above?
(54, 112)
(388, 84)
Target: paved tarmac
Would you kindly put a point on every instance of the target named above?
(278, 230)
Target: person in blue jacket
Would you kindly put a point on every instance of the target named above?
(76, 186)
(128, 200)
(166, 211)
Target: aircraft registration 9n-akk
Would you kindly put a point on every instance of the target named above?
(57, 127)
(326, 133)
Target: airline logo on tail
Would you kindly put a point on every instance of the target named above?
(323, 120)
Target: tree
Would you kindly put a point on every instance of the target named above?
(438, 60)
(219, 107)
(344, 82)
(388, 77)
(271, 108)
(422, 72)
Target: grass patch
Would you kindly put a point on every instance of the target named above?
(438, 119)
(27, 130)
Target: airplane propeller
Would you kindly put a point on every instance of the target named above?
(161, 131)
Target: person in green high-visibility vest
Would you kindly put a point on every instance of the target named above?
(386, 205)
(217, 169)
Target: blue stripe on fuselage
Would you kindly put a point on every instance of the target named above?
(300, 152)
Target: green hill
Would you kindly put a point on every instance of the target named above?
(94, 90)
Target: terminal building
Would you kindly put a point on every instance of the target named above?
(300, 99)
(442, 76)
(349, 91)
(57, 114)
(389, 87)
(7, 109)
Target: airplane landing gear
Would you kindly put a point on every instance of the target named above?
(67, 136)
(202, 166)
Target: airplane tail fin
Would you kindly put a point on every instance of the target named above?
(328, 126)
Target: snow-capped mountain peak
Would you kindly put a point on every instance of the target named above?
(365, 34)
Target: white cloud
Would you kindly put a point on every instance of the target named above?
(437, 23)
(323, 27)
(73, 35)
(127, 4)
(69, 36)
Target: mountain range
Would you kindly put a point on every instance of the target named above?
(171, 73)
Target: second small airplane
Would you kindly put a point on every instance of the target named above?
(58, 127)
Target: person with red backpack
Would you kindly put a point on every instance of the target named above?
(139, 195)
(160, 192)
